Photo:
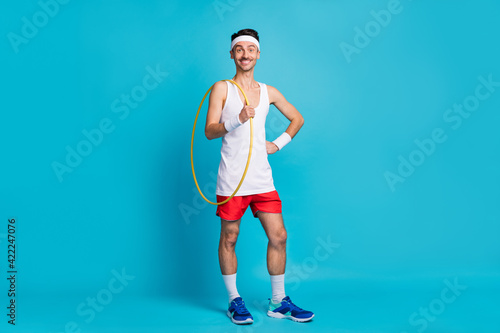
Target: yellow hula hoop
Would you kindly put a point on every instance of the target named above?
(249, 151)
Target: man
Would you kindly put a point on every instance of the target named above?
(228, 117)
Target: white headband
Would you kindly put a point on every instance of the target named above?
(245, 38)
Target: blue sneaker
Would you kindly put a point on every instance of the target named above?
(286, 309)
(238, 312)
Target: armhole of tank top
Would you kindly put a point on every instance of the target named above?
(227, 95)
(264, 88)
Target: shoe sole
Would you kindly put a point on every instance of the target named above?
(239, 322)
(282, 316)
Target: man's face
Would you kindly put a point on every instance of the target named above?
(245, 55)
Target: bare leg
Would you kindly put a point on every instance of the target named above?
(227, 255)
(276, 247)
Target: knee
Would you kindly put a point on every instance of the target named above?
(229, 239)
(279, 238)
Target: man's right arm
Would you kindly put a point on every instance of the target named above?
(214, 128)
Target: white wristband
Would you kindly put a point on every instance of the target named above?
(232, 123)
(282, 140)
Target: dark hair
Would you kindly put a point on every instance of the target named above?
(245, 32)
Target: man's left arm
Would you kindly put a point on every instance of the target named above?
(291, 113)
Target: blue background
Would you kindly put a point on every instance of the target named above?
(131, 203)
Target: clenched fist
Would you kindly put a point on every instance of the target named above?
(246, 113)
(271, 148)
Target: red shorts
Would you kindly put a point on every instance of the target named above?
(234, 209)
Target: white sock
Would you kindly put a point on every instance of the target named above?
(278, 287)
(230, 282)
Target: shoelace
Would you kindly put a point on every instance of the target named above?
(293, 306)
(240, 307)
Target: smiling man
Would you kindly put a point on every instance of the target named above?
(228, 117)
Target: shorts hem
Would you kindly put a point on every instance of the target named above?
(228, 219)
(255, 214)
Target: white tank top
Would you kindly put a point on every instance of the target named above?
(235, 145)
